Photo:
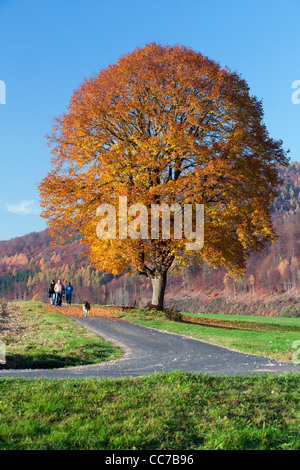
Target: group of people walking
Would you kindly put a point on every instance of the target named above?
(57, 291)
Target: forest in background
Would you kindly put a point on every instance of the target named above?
(270, 286)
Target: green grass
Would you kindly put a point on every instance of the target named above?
(38, 338)
(172, 411)
(250, 318)
(265, 342)
(165, 411)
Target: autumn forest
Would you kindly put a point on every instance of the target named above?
(270, 286)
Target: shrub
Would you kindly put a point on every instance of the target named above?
(288, 311)
(173, 314)
(37, 298)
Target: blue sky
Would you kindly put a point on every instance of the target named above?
(48, 47)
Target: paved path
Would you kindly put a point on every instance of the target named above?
(147, 351)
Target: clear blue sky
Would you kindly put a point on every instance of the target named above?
(47, 48)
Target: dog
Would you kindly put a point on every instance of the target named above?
(86, 308)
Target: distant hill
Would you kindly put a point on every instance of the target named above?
(28, 263)
(288, 200)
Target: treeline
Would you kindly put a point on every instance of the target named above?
(30, 284)
(288, 199)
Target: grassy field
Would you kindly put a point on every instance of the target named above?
(171, 411)
(295, 322)
(38, 337)
(166, 411)
(265, 336)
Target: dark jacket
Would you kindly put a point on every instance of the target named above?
(51, 290)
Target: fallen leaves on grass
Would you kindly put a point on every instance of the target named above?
(10, 321)
(76, 311)
(237, 325)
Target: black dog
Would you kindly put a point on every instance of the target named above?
(86, 308)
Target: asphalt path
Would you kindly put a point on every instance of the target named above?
(147, 351)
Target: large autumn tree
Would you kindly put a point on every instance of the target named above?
(164, 125)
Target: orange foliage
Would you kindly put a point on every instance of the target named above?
(164, 124)
(19, 259)
(76, 311)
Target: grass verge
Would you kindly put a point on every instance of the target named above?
(38, 337)
(267, 337)
(165, 411)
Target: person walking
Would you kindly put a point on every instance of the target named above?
(63, 291)
(58, 293)
(69, 291)
(52, 292)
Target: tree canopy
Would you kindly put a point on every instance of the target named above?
(164, 125)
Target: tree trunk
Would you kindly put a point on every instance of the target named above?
(159, 282)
